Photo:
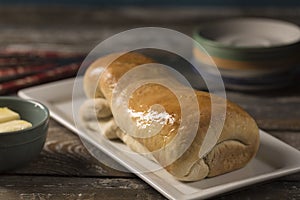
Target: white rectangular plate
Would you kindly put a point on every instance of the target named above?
(274, 158)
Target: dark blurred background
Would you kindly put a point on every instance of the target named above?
(78, 25)
(156, 2)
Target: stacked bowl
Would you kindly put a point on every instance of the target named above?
(249, 53)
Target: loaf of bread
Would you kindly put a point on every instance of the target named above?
(236, 146)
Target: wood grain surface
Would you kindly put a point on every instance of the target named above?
(64, 169)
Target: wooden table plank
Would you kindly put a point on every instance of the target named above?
(269, 191)
(277, 110)
(48, 187)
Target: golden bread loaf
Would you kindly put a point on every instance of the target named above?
(236, 146)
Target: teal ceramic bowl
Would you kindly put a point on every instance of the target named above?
(249, 53)
(245, 39)
(20, 147)
(248, 45)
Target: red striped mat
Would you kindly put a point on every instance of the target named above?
(23, 69)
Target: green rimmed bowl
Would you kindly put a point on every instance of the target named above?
(20, 147)
(248, 43)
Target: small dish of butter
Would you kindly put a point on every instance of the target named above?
(11, 121)
(23, 131)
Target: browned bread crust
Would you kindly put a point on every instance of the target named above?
(238, 142)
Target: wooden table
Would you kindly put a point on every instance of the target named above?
(64, 169)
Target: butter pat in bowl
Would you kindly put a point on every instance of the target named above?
(23, 131)
(10, 121)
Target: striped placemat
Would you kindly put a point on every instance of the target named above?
(23, 69)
